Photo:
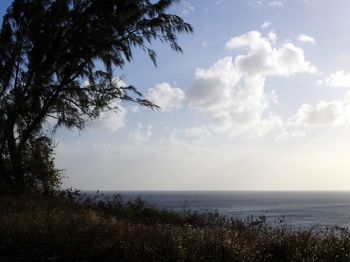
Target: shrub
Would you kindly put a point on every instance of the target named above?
(69, 226)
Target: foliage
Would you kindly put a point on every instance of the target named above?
(39, 169)
(69, 227)
(57, 59)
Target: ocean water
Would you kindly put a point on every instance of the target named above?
(297, 209)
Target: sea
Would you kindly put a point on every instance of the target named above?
(296, 209)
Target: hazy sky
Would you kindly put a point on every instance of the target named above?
(260, 100)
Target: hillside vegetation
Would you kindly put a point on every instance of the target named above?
(68, 226)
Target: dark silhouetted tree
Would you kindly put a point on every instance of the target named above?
(48, 49)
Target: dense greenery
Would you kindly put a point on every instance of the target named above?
(68, 227)
(57, 65)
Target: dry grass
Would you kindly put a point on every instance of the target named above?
(66, 228)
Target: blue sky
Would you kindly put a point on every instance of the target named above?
(259, 100)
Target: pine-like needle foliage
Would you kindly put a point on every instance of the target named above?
(49, 52)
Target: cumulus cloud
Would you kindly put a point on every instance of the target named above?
(272, 37)
(110, 120)
(232, 89)
(264, 59)
(141, 134)
(167, 97)
(337, 79)
(325, 113)
(306, 39)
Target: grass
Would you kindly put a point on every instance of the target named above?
(67, 226)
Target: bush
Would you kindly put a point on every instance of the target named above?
(69, 226)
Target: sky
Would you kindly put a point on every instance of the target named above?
(259, 100)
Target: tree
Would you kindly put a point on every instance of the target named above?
(48, 49)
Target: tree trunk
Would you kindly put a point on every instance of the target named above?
(16, 164)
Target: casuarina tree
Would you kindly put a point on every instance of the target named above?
(57, 59)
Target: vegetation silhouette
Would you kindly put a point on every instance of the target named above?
(68, 226)
(57, 59)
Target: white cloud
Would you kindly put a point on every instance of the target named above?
(337, 79)
(187, 7)
(141, 134)
(279, 3)
(232, 89)
(285, 135)
(134, 109)
(272, 37)
(252, 39)
(271, 3)
(166, 96)
(273, 97)
(110, 120)
(198, 133)
(266, 24)
(276, 3)
(188, 139)
(306, 39)
(325, 113)
(264, 59)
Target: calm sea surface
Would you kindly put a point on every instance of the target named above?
(300, 209)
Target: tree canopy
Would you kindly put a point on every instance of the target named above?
(57, 59)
